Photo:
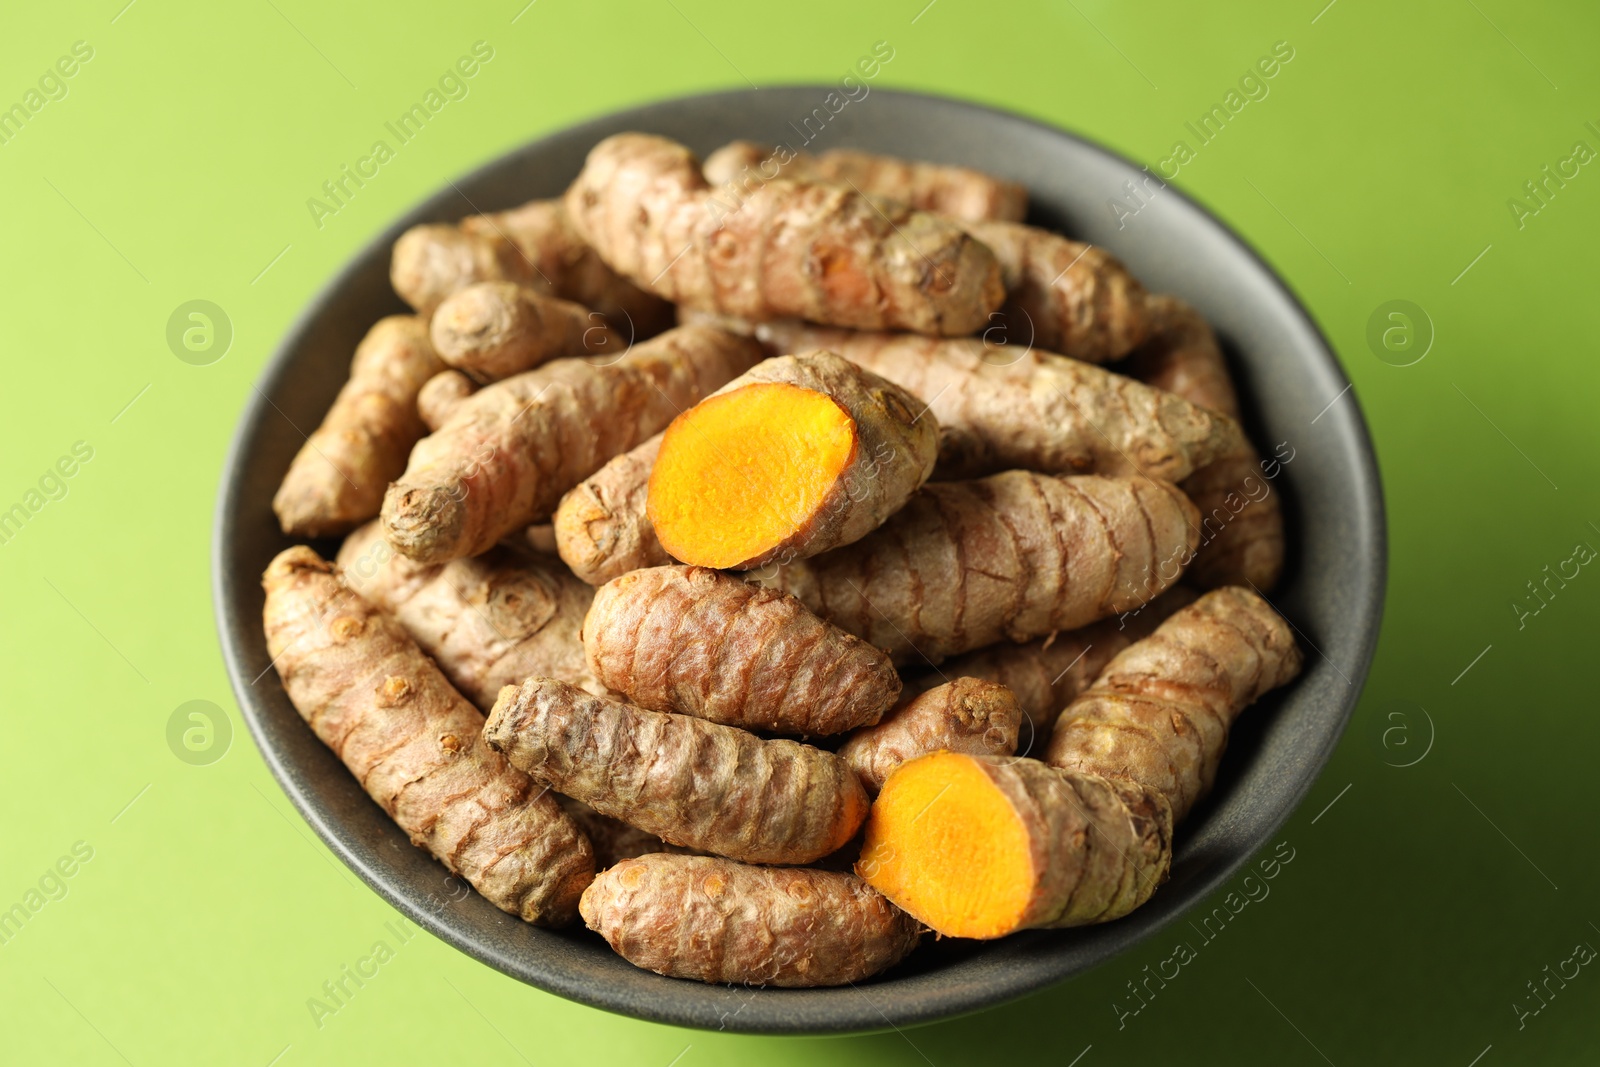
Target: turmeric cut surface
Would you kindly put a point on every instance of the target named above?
(983, 846)
(797, 456)
(735, 472)
(945, 842)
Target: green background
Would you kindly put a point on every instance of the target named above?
(1379, 168)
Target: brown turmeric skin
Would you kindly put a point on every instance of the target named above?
(956, 192)
(704, 643)
(1242, 541)
(337, 479)
(1160, 712)
(1004, 407)
(966, 715)
(1045, 674)
(492, 330)
(441, 395)
(1009, 557)
(1062, 295)
(371, 695)
(602, 527)
(817, 251)
(688, 781)
(509, 452)
(715, 920)
(532, 245)
(489, 621)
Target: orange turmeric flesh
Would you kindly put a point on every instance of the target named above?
(981, 846)
(945, 844)
(741, 473)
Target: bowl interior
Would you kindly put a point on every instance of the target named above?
(1294, 392)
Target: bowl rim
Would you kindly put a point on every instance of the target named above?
(684, 1009)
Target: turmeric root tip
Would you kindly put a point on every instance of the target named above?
(982, 846)
(440, 395)
(602, 528)
(492, 330)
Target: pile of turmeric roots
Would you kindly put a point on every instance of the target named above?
(710, 572)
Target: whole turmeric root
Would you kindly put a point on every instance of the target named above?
(1009, 557)
(1160, 712)
(719, 921)
(489, 622)
(509, 452)
(1242, 520)
(1064, 296)
(1045, 674)
(1004, 407)
(493, 330)
(966, 715)
(957, 192)
(414, 743)
(706, 644)
(800, 455)
(816, 251)
(982, 846)
(441, 395)
(602, 526)
(533, 245)
(686, 780)
(337, 479)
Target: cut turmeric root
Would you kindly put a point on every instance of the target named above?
(957, 192)
(821, 252)
(800, 455)
(509, 452)
(983, 846)
(978, 847)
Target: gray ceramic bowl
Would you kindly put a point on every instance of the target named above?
(1333, 590)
